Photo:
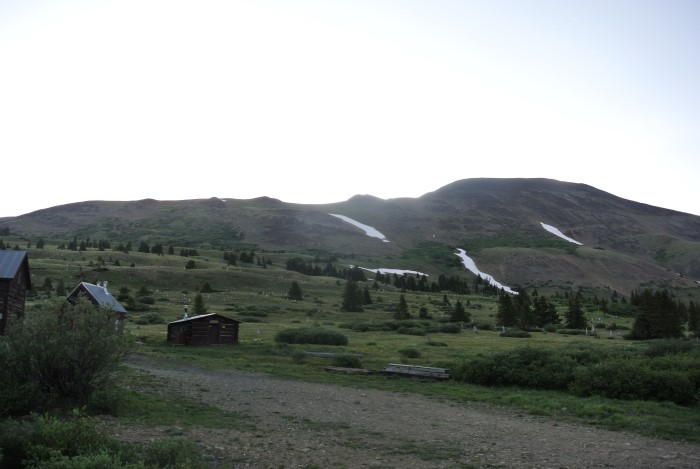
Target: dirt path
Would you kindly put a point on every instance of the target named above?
(299, 425)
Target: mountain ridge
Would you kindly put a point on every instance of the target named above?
(625, 243)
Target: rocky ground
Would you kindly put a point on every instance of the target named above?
(307, 425)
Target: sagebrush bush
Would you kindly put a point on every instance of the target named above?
(151, 318)
(661, 347)
(532, 367)
(633, 379)
(47, 442)
(409, 352)
(518, 334)
(171, 452)
(61, 351)
(419, 331)
(347, 361)
(586, 369)
(311, 335)
(572, 331)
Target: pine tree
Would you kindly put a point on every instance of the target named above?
(366, 297)
(574, 314)
(352, 297)
(524, 315)
(60, 288)
(402, 309)
(658, 317)
(48, 285)
(694, 319)
(545, 312)
(199, 307)
(295, 292)
(459, 313)
(506, 311)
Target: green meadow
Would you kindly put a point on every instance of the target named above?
(256, 294)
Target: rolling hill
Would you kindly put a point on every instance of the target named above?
(499, 222)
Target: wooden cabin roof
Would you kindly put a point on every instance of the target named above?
(201, 316)
(11, 262)
(99, 295)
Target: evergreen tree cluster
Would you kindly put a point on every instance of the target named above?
(523, 312)
(298, 264)
(83, 245)
(354, 297)
(659, 316)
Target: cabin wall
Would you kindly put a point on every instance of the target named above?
(204, 332)
(12, 299)
(4, 294)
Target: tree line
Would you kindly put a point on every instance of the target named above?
(657, 314)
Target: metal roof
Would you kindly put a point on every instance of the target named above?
(11, 262)
(100, 294)
(190, 318)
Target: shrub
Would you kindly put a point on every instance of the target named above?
(347, 361)
(434, 343)
(516, 333)
(419, 331)
(670, 346)
(528, 366)
(151, 318)
(298, 357)
(60, 350)
(409, 352)
(106, 401)
(47, 442)
(311, 335)
(572, 331)
(172, 452)
(450, 328)
(633, 379)
(257, 314)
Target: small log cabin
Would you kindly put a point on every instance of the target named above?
(14, 283)
(98, 295)
(204, 329)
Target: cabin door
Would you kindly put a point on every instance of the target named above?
(214, 333)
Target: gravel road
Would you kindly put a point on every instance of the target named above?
(309, 425)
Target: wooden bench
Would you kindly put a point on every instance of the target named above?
(417, 371)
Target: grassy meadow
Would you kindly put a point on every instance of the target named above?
(256, 295)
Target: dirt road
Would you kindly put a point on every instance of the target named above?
(308, 425)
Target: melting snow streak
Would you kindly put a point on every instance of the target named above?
(384, 271)
(471, 265)
(369, 231)
(556, 231)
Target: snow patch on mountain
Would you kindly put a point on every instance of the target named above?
(556, 231)
(369, 231)
(471, 265)
(385, 271)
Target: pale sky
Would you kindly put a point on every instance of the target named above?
(316, 101)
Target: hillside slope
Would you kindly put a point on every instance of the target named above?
(498, 221)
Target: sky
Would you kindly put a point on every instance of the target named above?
(316, 101)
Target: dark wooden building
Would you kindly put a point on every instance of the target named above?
(14, 283)
(204, 329)
(98, 295)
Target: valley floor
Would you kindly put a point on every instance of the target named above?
(298, 425)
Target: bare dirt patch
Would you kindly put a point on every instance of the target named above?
(298, 425)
